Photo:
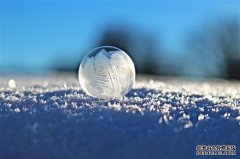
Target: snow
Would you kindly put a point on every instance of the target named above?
(49, 116)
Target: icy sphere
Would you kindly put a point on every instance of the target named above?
(106, 72)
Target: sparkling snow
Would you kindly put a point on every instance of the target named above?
(51, 117)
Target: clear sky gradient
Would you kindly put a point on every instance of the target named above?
(34, 33)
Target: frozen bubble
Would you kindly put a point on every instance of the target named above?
(106, 72)
(12, 83)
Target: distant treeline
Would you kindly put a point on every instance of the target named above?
(212, 50)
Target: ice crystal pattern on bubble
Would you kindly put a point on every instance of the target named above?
(106, 72)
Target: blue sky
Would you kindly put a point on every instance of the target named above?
(34, 33)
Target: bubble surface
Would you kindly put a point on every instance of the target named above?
(106, 72)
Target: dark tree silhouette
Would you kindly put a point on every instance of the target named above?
(217, 45)
(142, 48)
(228, 41)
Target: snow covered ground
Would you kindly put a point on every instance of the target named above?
(164, 118)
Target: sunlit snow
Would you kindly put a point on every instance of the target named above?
(160, 117)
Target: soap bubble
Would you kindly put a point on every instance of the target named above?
(106, 72)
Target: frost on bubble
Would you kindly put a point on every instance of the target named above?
(106, 72)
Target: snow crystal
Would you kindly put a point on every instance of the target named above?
(238, 118)
(203, 117)
(17, 110)
(188, 124)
